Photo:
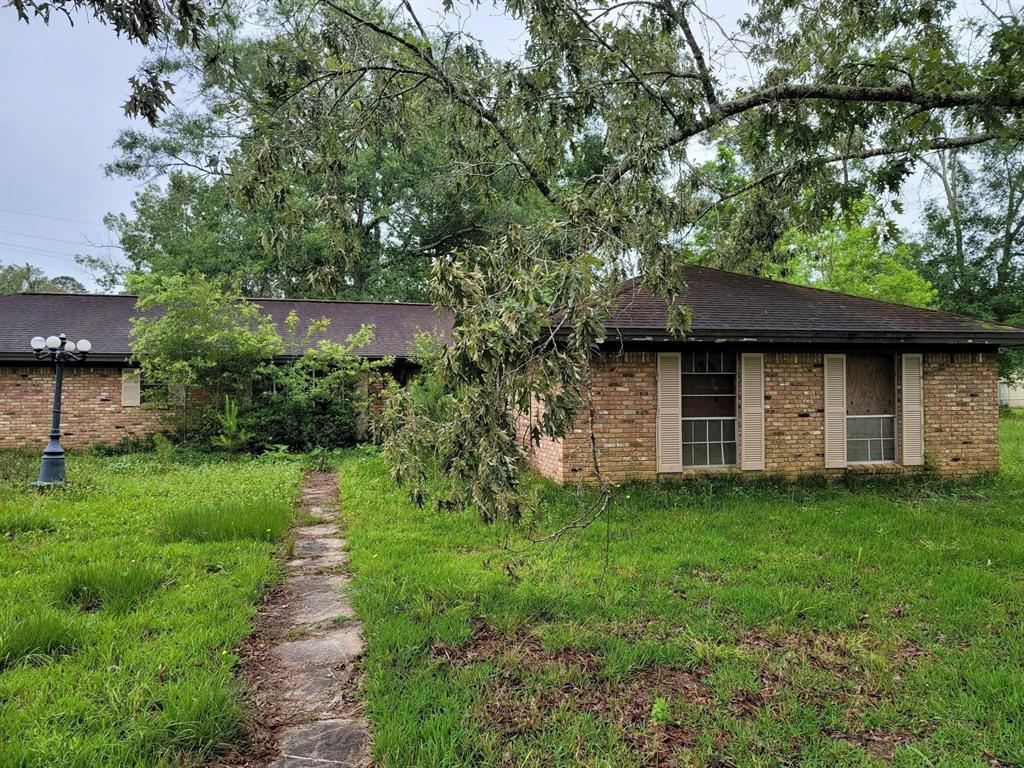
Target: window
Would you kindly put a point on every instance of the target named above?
(870, 408)
(709, 409)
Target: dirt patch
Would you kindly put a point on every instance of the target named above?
(819, 649)
(881, 745)
(516, 705)
(485, 643)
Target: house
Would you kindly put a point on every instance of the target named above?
(103, 396)
(784, 379)
(1011, 394)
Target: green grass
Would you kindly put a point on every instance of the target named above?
(712, 623)
(260, 519)
(37, 638)
(118, 645)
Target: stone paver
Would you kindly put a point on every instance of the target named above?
(338, 742)
(318, 662)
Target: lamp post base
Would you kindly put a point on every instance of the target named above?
(51, 471)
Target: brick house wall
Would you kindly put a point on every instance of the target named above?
(961, 418)
(961, 412)
(91, 412)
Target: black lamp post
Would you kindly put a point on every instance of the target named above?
(60, 351)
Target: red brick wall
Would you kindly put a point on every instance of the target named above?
(961, 418)
(92, 410)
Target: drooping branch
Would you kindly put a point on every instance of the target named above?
(852, 94)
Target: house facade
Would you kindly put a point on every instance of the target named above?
(105, 398)
(783, 379)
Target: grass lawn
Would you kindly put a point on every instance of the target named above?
(731, 625)
(121, 598)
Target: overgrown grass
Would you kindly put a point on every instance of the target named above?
(707, 624)
(260, 519)
(118, 645)
(110, 585)
(37, 638)
(14, 522)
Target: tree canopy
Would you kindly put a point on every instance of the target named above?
(18, 278)
(525, 188)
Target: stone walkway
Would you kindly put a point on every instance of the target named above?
(316, 645)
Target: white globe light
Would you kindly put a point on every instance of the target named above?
(38, 342)
(84, 345)
(53, 342)
(70, 346)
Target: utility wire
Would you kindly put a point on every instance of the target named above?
(54, 218)
(85, 243)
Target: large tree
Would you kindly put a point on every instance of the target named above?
(972, 242)
(583, 158)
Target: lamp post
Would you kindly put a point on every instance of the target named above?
(60, 351)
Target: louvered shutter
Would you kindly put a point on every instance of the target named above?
(131, 386)
(913, 410)
(835, 411)
(670, 412)
(752, 411)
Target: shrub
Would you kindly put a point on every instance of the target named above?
(108, 585)
(37, 638)
(302, 423)
(257, 519)
(12, 523)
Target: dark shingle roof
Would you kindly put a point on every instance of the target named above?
(104, 320)
(730, 305)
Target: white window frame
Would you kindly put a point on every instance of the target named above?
(734, 418)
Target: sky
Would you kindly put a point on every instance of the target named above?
(61, 90)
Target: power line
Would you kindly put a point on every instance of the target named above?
(30, 249)
(54, 218)
(85, 243)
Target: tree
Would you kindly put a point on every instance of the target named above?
(201, 337)
(581, 157)
(859, 254)
(972, 240)
(18, 278)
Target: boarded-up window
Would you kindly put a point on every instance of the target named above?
(870, 407)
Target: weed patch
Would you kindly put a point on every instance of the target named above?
(261, 519)
(37, 638)
(114, 586)
(25, 521)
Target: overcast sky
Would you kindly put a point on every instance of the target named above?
(61, 91)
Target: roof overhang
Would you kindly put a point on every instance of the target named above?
(992, 340)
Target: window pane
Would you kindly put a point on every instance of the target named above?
(857, 450)
(687, 455)
(709, 405)
(729, 430)
(700, 455)
(709, 384)
(889, 450)
(859, 429)
(888, 426)
(715, 453)
(687, 431)
(729, 453)
(714, 431)
(700, 431)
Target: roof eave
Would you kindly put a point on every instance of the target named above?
(704, 336)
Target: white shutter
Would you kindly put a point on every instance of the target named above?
(913, 410)
(752, 411)
(670, 412)
(835, 411)
(131, 386)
